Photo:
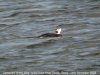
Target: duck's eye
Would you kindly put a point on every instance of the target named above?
(56, 31)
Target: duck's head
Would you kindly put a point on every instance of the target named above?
(58, 31)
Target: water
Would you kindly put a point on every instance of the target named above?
(77, 50)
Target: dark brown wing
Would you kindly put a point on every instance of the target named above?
(50, 35)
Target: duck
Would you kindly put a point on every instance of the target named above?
(57, 33)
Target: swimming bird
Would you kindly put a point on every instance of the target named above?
(57, 33)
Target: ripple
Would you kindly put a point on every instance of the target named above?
(3, 58)
(43, 44)
(78, 49)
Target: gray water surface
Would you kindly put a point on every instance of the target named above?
(77, 50)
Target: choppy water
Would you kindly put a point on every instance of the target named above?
(77, 50)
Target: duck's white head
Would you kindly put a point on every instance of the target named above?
(58, 31)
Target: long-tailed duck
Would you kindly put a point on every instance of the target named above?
(57, 33)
